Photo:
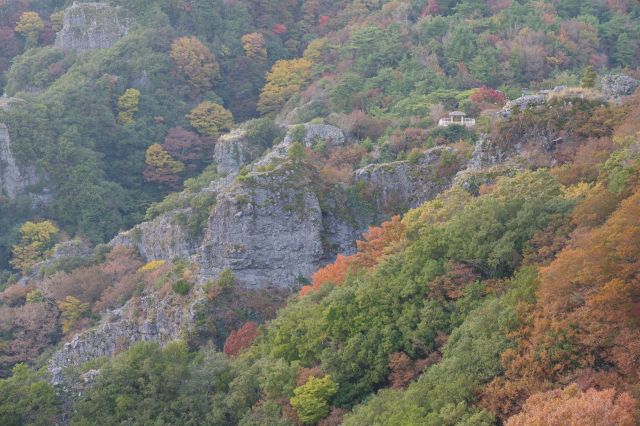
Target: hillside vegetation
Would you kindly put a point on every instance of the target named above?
(510, 296)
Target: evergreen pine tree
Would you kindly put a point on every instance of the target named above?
(588, 78)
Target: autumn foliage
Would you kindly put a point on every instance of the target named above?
(487, 95)
(286, 78)
(195, 63)
(572, 407)
(585, 326)
(377, 242)
(241, 339)
(162, 168)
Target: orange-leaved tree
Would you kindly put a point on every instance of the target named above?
(377, 242)
(241, 339)
(573, 407)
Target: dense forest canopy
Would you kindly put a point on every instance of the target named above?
(509, 297)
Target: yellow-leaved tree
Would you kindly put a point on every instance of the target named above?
(35, 239)
(161, 166)
(286, 78)
(127, 106)
(29, 25)
(210, 119)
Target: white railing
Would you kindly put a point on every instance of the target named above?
(468, 122)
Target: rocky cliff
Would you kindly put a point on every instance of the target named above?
(14, 179)
(277, 222)
(402, 185)
(90, 26)
(233, 151)
(146, 318)
(272, 224)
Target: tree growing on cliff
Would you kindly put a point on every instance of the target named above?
(29, 25)
(195, 63)
(57, 20)
(588, 78)
(210, 119)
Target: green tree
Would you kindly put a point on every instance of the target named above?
(624, 52)
(311, 400)
(296, 152)
(57, 20)
(25, 399)
(588, 78)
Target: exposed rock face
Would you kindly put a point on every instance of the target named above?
(486, 154)
(522, 103)
(14, 180)
(616, 86)
(317, 133)
(268, 230)
(91, 26)
(161, 238)
(233, 150)
(143, 319)
(275, 223)
(303, 110)
(402, 185)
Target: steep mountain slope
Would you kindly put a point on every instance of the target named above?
(169, 258)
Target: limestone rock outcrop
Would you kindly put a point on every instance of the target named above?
(486, 154)
(160, 238)
(91, 26)
(233, 151)
(616, 86)
(402, 185)
(523, 102)
(141, 319)
(14, 179)
(315, 133)
(276, 223)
